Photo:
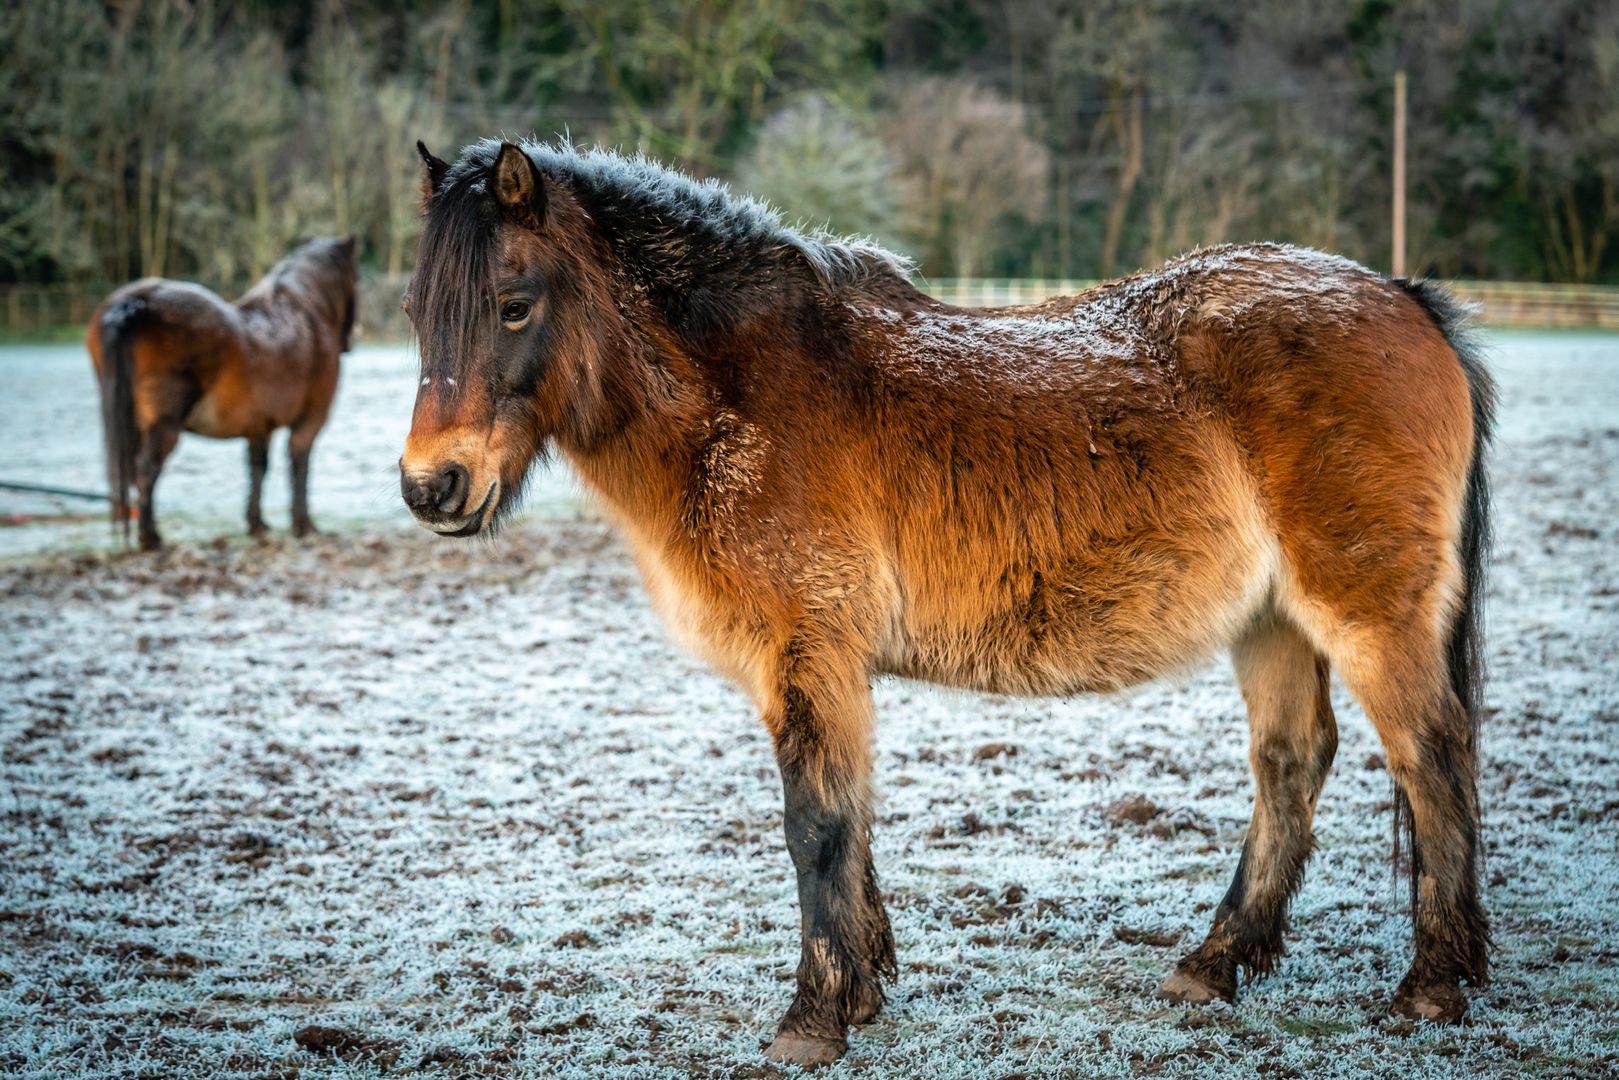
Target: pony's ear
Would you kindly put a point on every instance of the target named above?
(517, 184)
(434, 170)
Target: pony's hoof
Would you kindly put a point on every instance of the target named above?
(1185, 989)
(305, 529)
(805, 1050)
(1440, 1004)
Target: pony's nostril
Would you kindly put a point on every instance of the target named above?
(450, 487)
(416, 494)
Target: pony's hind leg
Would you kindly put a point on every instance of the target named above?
(258, 461)
(157, 443)
(822, 732)
(1293, 737)
(1429, 744)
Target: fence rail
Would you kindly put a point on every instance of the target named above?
(40, 308)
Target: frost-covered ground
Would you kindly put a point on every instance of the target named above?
(464, 809)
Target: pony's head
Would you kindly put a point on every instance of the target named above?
(507, 303)
(560, 292)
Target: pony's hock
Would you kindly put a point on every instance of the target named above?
(826, 476)
(171, 357)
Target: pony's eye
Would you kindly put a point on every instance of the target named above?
(515, 311)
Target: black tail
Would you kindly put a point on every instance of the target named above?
(1466, 641)
(1465, 655)
(121, 324)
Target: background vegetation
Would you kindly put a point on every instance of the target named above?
(1061, 138)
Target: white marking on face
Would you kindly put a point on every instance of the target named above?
(450, 381)
(427, 380)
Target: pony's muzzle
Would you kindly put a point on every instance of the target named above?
(443, 492)
(439, 499)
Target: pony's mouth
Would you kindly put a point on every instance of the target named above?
(473, 523)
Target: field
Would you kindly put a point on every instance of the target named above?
(385, 804)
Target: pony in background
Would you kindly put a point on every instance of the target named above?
(171, 356)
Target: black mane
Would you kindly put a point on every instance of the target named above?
(706, 256)
(317, 276)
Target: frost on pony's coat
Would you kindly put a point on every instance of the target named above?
(826, 475)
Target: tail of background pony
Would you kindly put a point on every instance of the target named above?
(1465, 653)
(121, 325)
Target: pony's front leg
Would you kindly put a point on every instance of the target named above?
(258, 461)
(299, 443)
(822, 734)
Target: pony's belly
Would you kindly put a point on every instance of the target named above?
(208, 419)
(1006, 656)
(234, 408)
(1100, 622)
(999, 674)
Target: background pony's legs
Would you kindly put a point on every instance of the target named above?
(157, 443)
(298, 447)
(258, 460)
(300, 441)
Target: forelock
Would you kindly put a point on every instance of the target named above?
(451, 295)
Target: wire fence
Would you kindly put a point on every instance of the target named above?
(57, 309)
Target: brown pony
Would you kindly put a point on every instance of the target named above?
(827, 476)
(172, 356)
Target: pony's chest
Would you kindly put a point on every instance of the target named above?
(712, 614)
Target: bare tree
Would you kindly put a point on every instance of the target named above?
(817, 166)
(972, 167)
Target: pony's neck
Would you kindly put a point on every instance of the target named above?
(679, 315)
(711, 263)
(642, 418)
(302, 288)
(637, 448)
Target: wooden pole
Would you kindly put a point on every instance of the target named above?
(1399, 174)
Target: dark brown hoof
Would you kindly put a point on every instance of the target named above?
(258, 530)
(303, 529)
(1185, 988)
(1439, 1003)
(805, 1050)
